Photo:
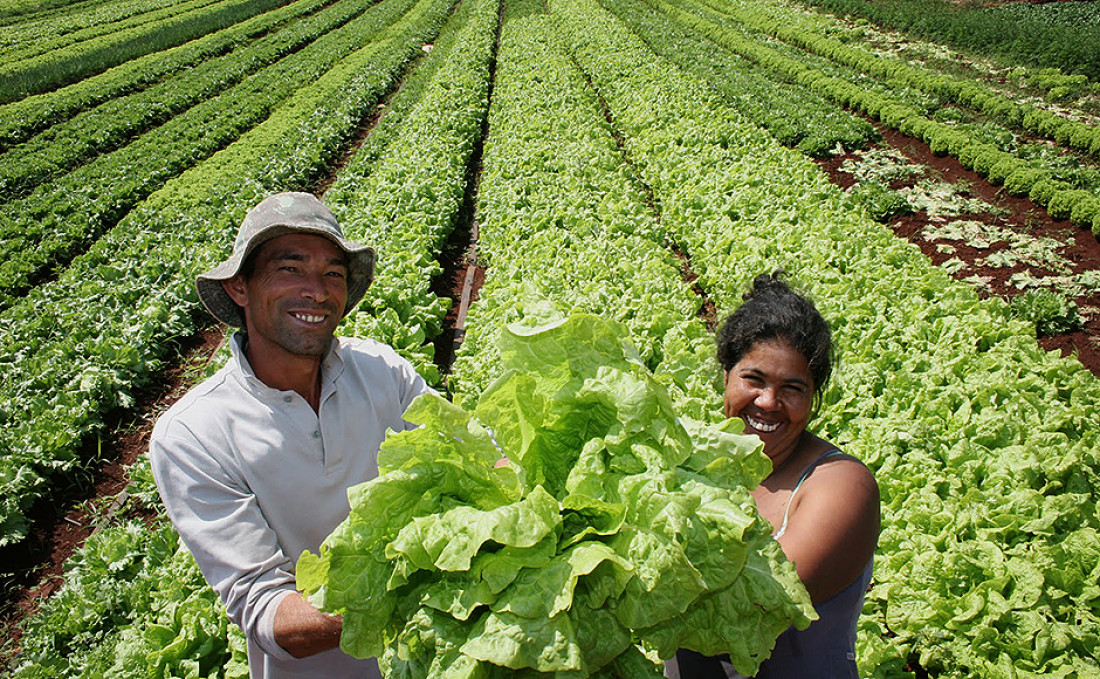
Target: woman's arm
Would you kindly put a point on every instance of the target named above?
(833, 526)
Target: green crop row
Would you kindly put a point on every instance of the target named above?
(405, 190)
(111, 124)
(59, 219)
(53, 69)
(22, 119)
(1064, 35)
(14, 12)
(1062, 199)
(985, 446)
(1020, 177)
(792, 27)
(58, 33)
(119, 306)
(1053, 83)
(792, 114)
(135, 605)
(785, 64)
(73, 16)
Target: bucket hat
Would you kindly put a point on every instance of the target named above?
(277, 215)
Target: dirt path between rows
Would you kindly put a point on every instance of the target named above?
(1082, 247)
(40, 562)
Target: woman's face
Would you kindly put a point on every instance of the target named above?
(772, 390)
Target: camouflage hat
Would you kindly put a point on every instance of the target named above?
(275, 216)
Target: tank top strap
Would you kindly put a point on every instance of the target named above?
(810, 468)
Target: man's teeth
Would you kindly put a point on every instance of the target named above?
(761, 426)
(308, 318)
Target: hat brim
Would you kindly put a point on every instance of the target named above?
(217, 301)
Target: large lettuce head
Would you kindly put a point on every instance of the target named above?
(617, 532)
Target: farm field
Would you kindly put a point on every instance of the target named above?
(640, 160)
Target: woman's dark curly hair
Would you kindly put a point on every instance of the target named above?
(773, 310)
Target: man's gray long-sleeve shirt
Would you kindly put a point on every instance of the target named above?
(251, 476)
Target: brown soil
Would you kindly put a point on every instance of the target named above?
(40, 560)
(460, 282)
(462, 274)
(1082, 248)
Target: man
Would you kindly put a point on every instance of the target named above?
(254, 463)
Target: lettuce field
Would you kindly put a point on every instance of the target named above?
(640, 161)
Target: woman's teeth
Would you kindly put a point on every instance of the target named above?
(761, 426)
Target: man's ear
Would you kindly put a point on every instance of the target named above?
(236, 289)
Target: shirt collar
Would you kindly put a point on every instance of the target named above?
(331, 366)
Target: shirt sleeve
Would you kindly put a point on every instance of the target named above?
(220, 522)
(411, 384)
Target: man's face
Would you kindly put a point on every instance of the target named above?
(294, 297)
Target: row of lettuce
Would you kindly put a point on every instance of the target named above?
(792, 113)
(1059, 35)
(880, 87)
(808, 32)
(22, 119)
(977, 571)
(72, 142)
(38, 71)
(83, 185)
(19, 11)
(55, 31)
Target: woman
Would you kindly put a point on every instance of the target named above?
(824, 505)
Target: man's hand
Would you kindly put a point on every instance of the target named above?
(303, 630)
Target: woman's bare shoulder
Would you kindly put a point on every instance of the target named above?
(841, 485)
(839, 464)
